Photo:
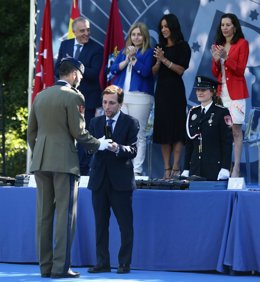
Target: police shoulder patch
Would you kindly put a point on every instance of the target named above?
(220, 106)
(194, 107)
(228, 120)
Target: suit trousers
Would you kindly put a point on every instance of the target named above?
(56, 194)
(121, 203)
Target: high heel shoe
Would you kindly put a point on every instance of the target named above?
(175, 172)
(167, 173)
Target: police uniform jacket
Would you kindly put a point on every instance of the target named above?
(51, 136)
(211, 146)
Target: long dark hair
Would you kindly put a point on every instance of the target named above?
(220, 39)
(174, 27)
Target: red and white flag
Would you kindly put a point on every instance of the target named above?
(44, 72)
(73, 15)
(114, 42)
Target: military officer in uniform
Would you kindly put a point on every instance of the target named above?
(208, 151)
(56, 121)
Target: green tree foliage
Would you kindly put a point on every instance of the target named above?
(14, 50)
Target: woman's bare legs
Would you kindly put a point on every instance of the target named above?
(177, 150)
(166, 154)
(238, 143)
(167, 151)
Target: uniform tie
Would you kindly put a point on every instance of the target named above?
(77, 51)
(202, 114)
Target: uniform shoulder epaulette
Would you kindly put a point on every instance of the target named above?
(194, 107)
(75, 89)
(220, 106)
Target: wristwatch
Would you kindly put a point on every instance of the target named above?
(133, 59)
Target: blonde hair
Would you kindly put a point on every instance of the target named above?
(145, 33)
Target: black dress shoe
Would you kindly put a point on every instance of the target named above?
(99, 269)
(122, 269)
(45, 275)
(69, 274)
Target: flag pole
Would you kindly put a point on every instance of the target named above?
(31, 68)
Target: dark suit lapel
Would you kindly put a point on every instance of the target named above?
(84, 51)
(101, 125)
(119, 124)
(70, 50)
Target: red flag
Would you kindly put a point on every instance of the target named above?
(44, 73)
(114, 42)
(73, 15)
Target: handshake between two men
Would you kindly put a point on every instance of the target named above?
(108, 144)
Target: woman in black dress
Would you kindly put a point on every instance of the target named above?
(172, 59)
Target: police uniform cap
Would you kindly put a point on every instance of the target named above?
(76, 63)
(203, 82)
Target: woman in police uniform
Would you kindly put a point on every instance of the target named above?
(208, 150)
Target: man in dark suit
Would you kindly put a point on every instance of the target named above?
(56, 121)
(208, 151)
(90, 53)
(112, 180)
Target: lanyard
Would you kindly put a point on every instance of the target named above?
(187, 128)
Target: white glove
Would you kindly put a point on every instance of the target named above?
(104, 143)
(223, 174)
(185, 173)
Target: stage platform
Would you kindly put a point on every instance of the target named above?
(174, 230)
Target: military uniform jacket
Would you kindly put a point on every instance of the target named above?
(209, 142)
(56, 120)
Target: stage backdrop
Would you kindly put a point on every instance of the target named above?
(198, 20)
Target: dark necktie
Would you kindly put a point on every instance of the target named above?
(77, 51)
(109, 129)
(202, 115)
(110, 124)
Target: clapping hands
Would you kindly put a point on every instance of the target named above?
(131, 51)
(158, 53)
(218, 52)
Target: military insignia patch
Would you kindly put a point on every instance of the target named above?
(228, 120)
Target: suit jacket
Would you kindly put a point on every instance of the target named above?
(56, 120)
(217, 141)
(141, 77)
(235, 66)
(91, 56)
(118, 167)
